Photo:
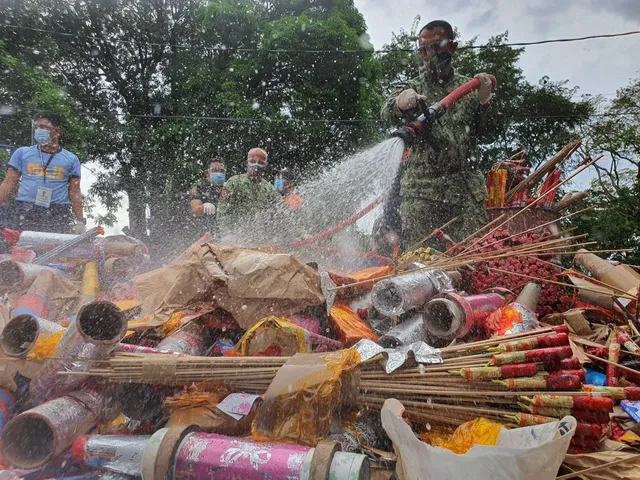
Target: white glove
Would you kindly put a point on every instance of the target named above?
(80, 228)
(408, 99)
(209, 209)
(486, 86)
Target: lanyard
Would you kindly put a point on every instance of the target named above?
(45, 167)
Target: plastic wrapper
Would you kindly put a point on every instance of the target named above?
(394, 358)
(476, 432)
(34, 437)
(532, 453)
(398, 295)
(306, 393)
(117, 453)
(625, 340)
(273, 336)
(93, 336)
(349, 327)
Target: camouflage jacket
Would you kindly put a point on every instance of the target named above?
(240, 196)
(443, 164)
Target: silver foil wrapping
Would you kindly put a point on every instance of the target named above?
(410, 330)
(116, 453)
(23, 331)
(529, 320)
(394, 358)
(34, 437)
(75, 347)
(191, 339)
(398, 295)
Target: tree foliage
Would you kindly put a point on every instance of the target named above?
(155, 78)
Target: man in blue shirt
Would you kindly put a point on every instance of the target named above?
(48, 177)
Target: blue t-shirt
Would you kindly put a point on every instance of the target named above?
(30, 165)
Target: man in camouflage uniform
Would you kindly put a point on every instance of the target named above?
(245, 195)
(441, 179)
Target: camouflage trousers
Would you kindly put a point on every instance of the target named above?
(420, 216)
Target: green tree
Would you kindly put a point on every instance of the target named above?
(142, 70)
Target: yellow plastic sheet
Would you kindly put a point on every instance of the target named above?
(476, 432)
(43, 348)
(303, 398)
(273, 336)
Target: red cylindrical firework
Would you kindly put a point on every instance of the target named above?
(617, 393)
(565, 401)
(614, 356)
(528, 420)
(597, 417)
(625, 340)
(547, 341)
(598, 352)
(544, 355)
(559, 373)
(560, 329)
(588, 430)
(564, 364)
(588, 444)
(566, 382)
(491, 373)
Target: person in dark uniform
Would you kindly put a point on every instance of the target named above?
(205, 196)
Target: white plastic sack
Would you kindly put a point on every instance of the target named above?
(528, 453)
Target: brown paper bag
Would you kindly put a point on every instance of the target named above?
(249, 284)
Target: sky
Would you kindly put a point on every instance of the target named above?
(599, 66)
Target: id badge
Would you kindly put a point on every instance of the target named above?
(43, 197)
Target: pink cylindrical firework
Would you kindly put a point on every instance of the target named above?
(181, 454)
(34, 437)
(32, 304)
(22, 333)
(94, 334)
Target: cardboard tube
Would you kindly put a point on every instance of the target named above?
(529, 296)
(618, 276)
(90, 284)
(94, 334)
(116, 453)
(16, 274)
(23, 331)
(34, 437)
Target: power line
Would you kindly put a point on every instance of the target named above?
(300, 51)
